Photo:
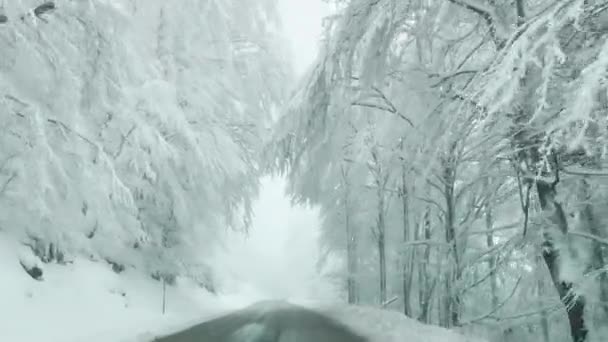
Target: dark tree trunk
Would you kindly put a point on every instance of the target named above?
(425, 290)
(382, 257)
(453, 273)
(381, 239)
(590, 225)
(351, 244)
(492, 260)
(574, 304)
(353, 292)
(406, 263)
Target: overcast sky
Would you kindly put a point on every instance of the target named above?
(278, 258)
(302, 23)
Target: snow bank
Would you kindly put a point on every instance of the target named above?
(87, 301)
(390, 326)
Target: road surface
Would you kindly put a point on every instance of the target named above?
(268, 322)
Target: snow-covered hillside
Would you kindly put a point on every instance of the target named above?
(86, 300)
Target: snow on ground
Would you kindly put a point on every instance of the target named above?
(391, 326)
(87, 301)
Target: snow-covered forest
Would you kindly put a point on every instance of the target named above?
(457, 150)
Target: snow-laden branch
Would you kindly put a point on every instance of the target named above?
(388, 106)
(447, 77)
(584, 172)
(590, 237)
(496, 229)
(424, 242)
(499, 263)
(487, 14)
(6, 183)
(495, 309)
(389, 301)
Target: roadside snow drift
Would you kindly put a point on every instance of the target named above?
(391, 326)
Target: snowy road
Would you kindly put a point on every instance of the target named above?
(271, 321)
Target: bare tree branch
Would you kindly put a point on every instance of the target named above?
(371, 105)
(584, 172)
(123, 141)
(495, 229)
(554, 307)
(7, 182)
(449, 76)
(389, 301)
(590, 237)
(424, 242)
(430, 201)
(495, 309)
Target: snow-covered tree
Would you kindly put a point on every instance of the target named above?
(487, 117)
(131, 130)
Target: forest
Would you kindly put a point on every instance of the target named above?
(457, 149)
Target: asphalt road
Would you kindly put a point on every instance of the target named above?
(268, 322)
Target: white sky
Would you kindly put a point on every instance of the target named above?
(278, 259)
(302, 24)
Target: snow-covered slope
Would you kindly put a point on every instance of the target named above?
(87, 301)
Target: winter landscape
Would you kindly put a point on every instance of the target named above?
(304, 170)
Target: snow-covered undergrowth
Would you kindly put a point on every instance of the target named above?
(87, 301)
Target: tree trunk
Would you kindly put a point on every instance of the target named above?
(380, 231)
(453, 269)
(351, 245)
(407, 265)
(382, 260)
(574, 304)
(353, 293)
(589, 224)
(492, 259)
(424, 286)
(446, 317)
(164, 295)
(544, 317)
